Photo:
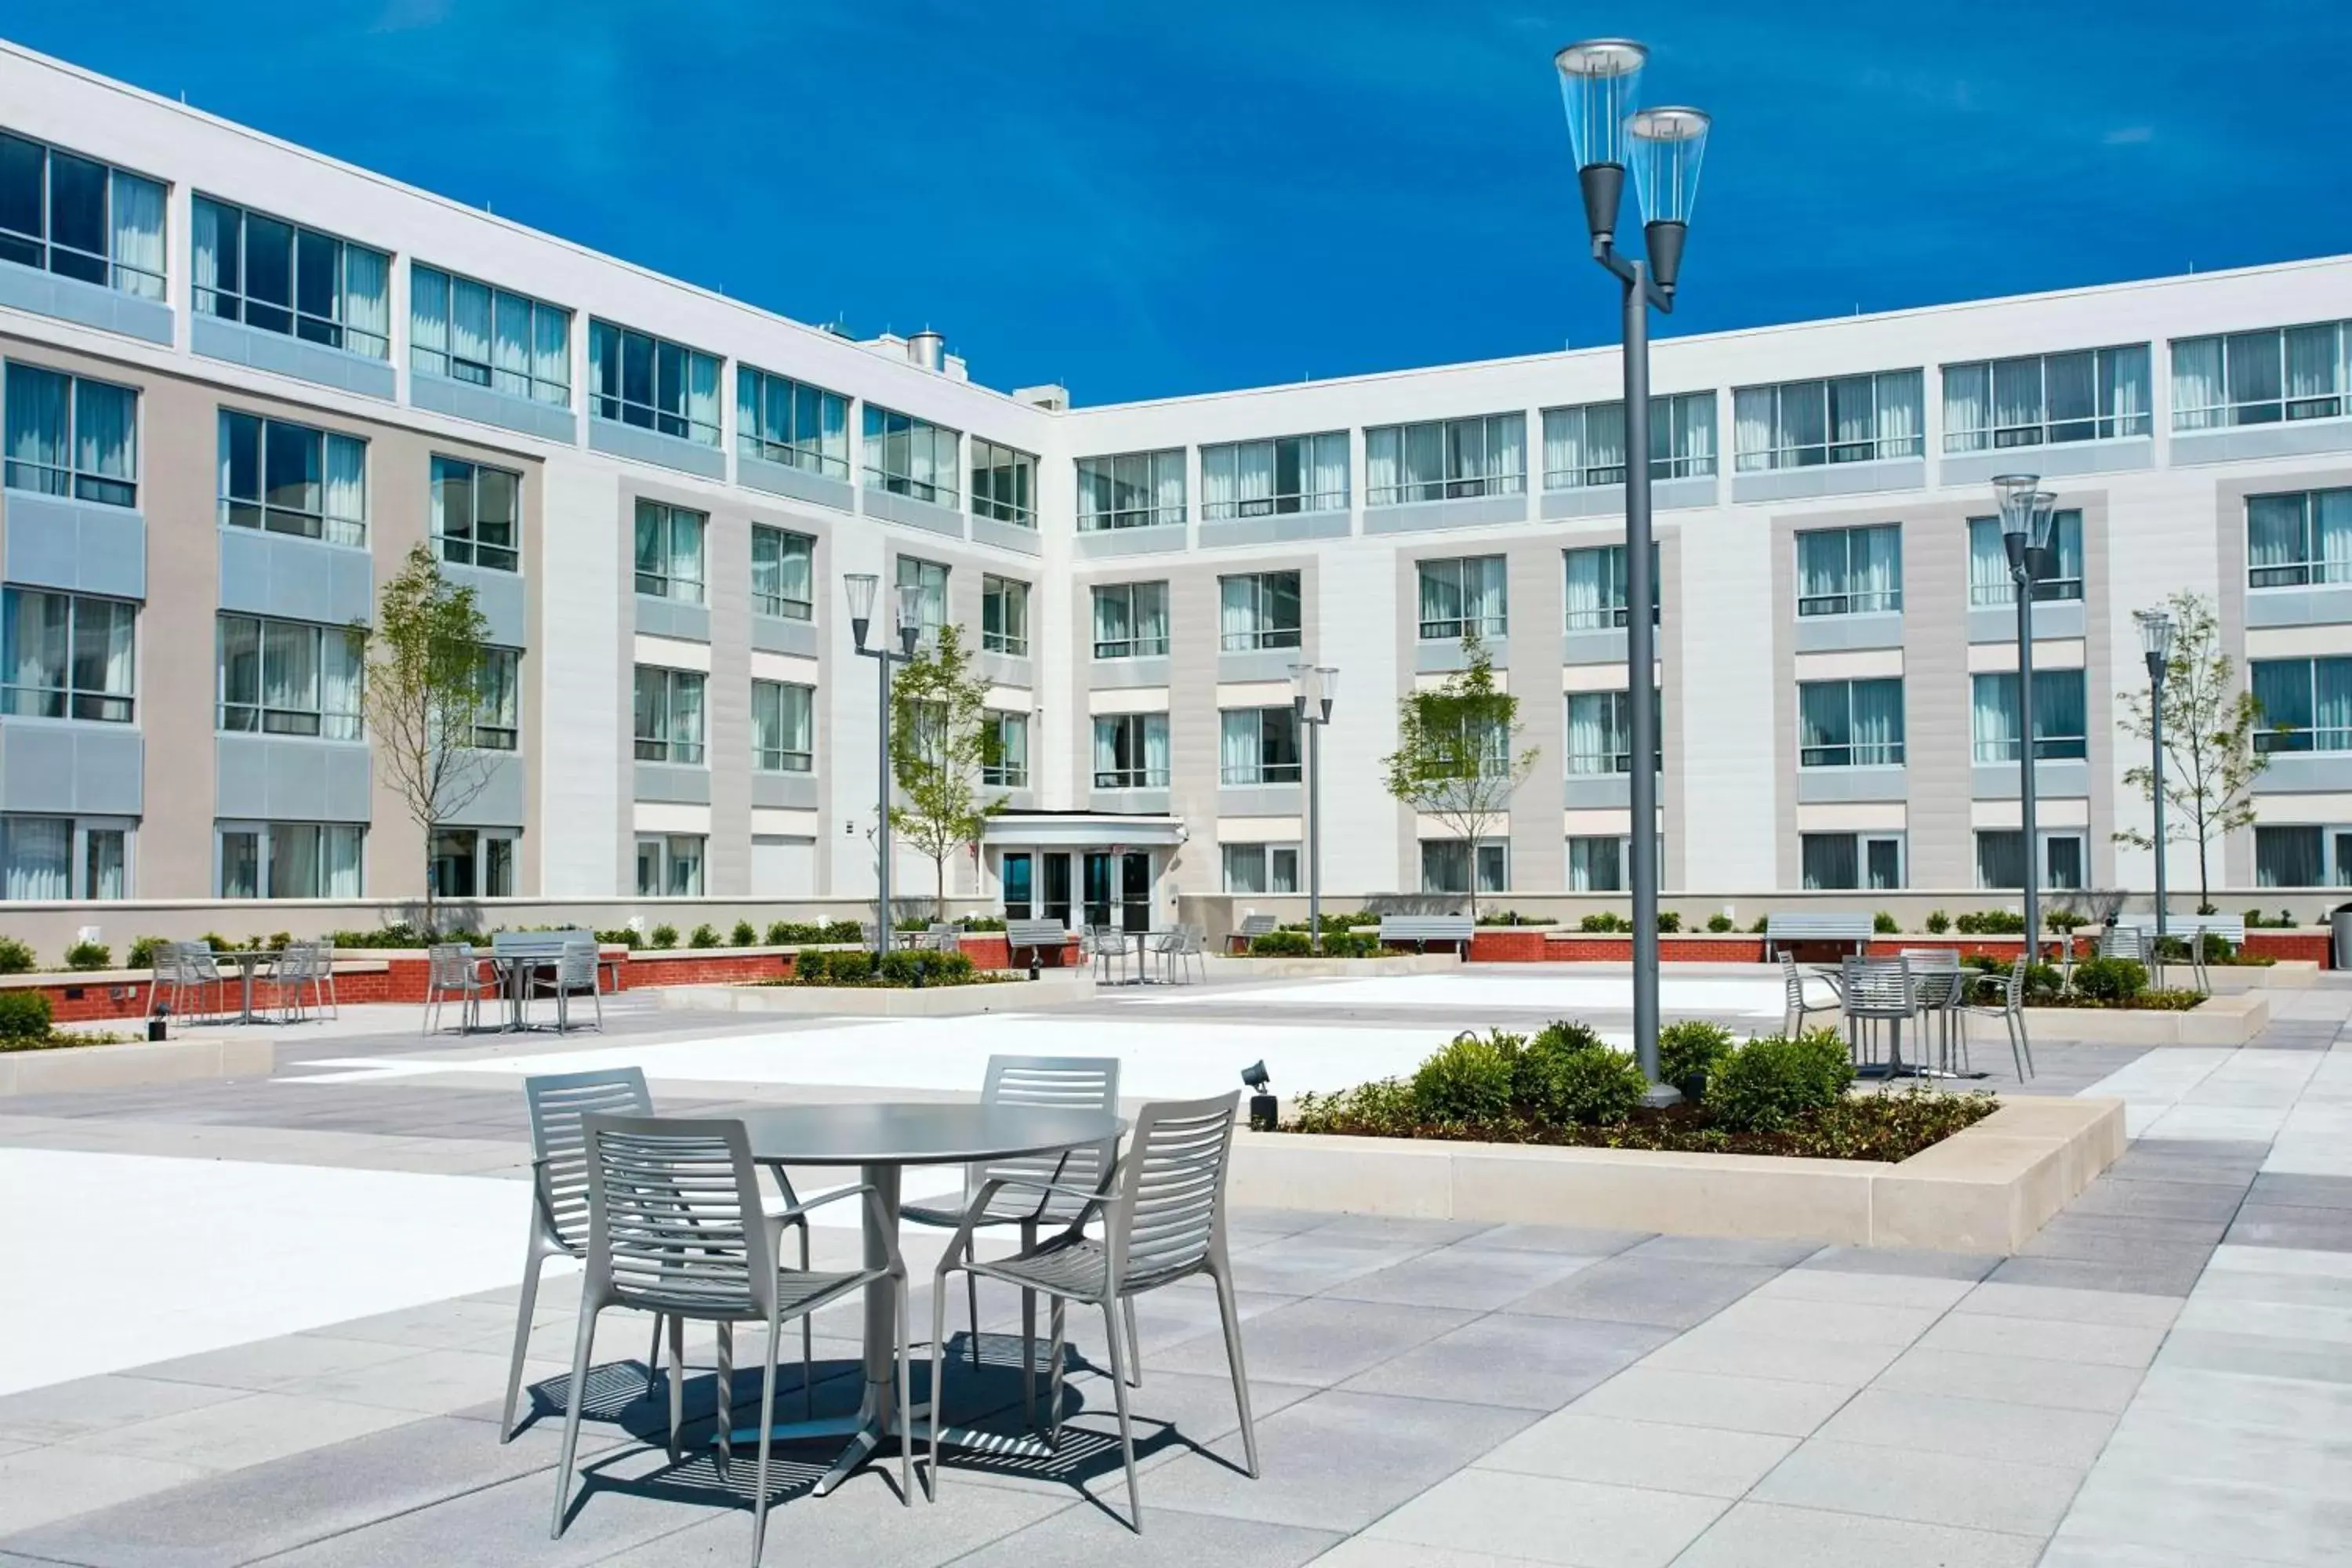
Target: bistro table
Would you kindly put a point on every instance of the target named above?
(881, 1140)
(247, 960)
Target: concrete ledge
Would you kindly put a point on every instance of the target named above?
(2286, 974)
(1987, 1189)
(1221, 968)
(881, 1002)
(68, 1068)
(2218, 1020)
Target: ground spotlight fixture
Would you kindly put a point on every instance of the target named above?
(1265, 1112)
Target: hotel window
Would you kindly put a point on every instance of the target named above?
(1850, 861)
(2294, 540)
(1131, 751)
(634, 378)
(1585, 446)
(2001, 859)
(278, 276)
(1008, 768)
(39, 859)
(669, 552)
(1004, 615)
(1133, 489)
(1850, 724)
(290, 678)
(1016, 875)
(668, 715)
(2090, 394)
(64, 656)
(669, 865)
(290, 859)
(1601, 732)
(1131, 620)
(1596, 587)
(1989, 578)
(1846, 419)
(2306, 704)
(472, 863)
(1850, 571)
(463, 331)
(1260, 867)
(2290, 856)
(291, 478)
(1596, 864)
(1267, 478)
(1464, 597)
(1259, 610)
(498, 725)
(931, 579)
(784, 575)
(69, 435)
(1446, 459)
(2259, 378)
(2059, 723)
(477, 514)
(909, 456)
(1004, 484)
(784, 727)
(779, 420)
(79, 218)
(1446, 865)
(1258, 746)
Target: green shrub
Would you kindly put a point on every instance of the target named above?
(2067, 921)
(1279, 944)
(1885, 923)
(850, 966)
(1468, 1079)
(143, 951)
(90, 955)
(2110, 979)
(15, 958)
(1762, 925)
(744, 934)
(1939, 922)
(1669, 921)
(1510, 918)
(905, 967)
(24, 1015)
(1604, 920)
(841, 930)
(1992, 922)
(1767, 1083)
(983, 923)
(1690, 1048)
(704, 935)
(620, 936)
(665, 935)
(1718, 922)
(1565, 1072)
(1351, 944)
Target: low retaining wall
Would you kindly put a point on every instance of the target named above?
(882, 1002)
(2218, 1020)
(1551, 944)
(2286, 974)
(136, 1064)
(1986, 1189)
(1247, 969)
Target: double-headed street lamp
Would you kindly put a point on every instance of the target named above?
(1600, 83)
(2026, 521)
(2155, 642)
(1313, 689)
(861, 587)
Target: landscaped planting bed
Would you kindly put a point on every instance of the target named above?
(913, 971)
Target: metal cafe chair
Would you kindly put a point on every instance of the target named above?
(2010, 1011)
(1878, 991)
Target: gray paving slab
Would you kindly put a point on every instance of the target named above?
(1906, 1420)
(2017, 1380)
(2301, 1191)
(1175, 1537)
(1536, 1363)
(1543, 1518)
(1759, 1534)
(2170, 1275)
(1664, 1292)
(1467, 1276)
(1902, 1260)
(1623, 1452)
(1966, 1492)
(1320, 1341)
(2279, 1225)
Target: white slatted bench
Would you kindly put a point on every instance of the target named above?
(1032, 937)
(2230, 928)
(1252, 928)
(1816, 925)
(1423, 930)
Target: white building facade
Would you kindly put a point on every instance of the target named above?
(243, 380)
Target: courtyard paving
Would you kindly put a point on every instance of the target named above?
(267, 1321)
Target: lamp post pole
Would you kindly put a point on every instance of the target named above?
(2156, 641)
(2025, 518)
(1313, 689)
(1600, 81)
(861, 587)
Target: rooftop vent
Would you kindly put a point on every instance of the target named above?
(1053, 397)
(927, 349)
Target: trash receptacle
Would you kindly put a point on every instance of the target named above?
(2341, 920)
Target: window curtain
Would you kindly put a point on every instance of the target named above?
(102, 647)
(2060, 718)
(2197, 396)
(345, 497)
(428, 319)
(1596, 586)
(38, 635)
(1424, 462)
(106, 428)
(36, 429)
(1965, 425)
(341, 672)
(293, 861)
(1751, 428)
(1876, 566)
(1877, 722)
(103, 868)
(1168, 485)
(1155, 750)
(1988, 580)
(2070, 396)
(340, 861)
(2288, 858)
(1821, 566)
(1899, 398)
(1594, 865)
(2331, 704)
(2331, 535)
(1563, 440)
(1380, 476)
(469, 322)
(1993, 716)
(2016, 401)
(795, 569)
(2123, 389)
(1854, 419)
(1105, 747)
(1237, 748)
(138, 236)
(206, 240)
(1217, 489)
(1506, 441)
(2277, 551)
(685, 565)
(551, 331)
(1114, 619)
(510, 349)
(1013, 747)
(40, 858)
(1692, 424)
(2282, 687)
(1590, 719)
(1236, 612)
(1484, 596)
(2312, 358)
(1149, 614)
(1441, 598)
(367, 301)
(702, 405)
(1832, 860)
(2065, 579)
(1327, 486)
(289, 666)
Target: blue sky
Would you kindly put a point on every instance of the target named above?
(1143, 201)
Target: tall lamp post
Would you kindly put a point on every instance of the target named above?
(1313, 689)
(861, 587)
(2025, 536)
(2156, 641)
(1600, 82)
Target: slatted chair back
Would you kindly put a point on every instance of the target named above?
(1880, 988)
(1170, 1208)
(198, 966)
(2128, 942)
(1935, 974)
(559, 1104)
(576, 970)
(2013, 993)
(1056, 1083)
(1792, 982)
(450, 966)
(675, 1218)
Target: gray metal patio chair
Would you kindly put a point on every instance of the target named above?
(1878, 991)
(2010, 1011)
(676, 1226)
(452, 972)
(180, 974)
(1798, 1008)
(1163, 1219)
(299, 977)
(1068, 1083)
(559, 1209)
(1939, 989)
(575, 972)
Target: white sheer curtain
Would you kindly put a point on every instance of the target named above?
(1327, 474)
(340, 866)
(40, 858)
(1381, 451)
(2331, 536)
(1150, 617)
(2313, 359)
(2060, 718)
(703, 407)
(210, 221)
(2197, 395)
(1237, 612)
(1168, 487)
(1989, 578)
(106, 426)
(1106, 749)
(1217, 489)
(469, 322)
(1155, 751)
(1507, 462)
(38, 457)
(104, 873)
(1591, 717)
(1486, 602)
(367, 301)
(345, 497)
(685, 716)
(102, 648)
(1596, 587)
(1237, 748)
(1441, 598)
(1993, 717)
(429, 319)
(510, 347)
(1877, 567)
(2123, 389)
(1877, 722)
(1114, 622)
(1751, 428)
(1899, 414)
(685, 557)
(138, 237)
(552, 364)
(37, 634)
(2016, 396)
(289, 668)
(1965, 425)
(341, 678)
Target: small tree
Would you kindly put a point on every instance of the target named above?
(2211, 758)
(423, 690)
(940, 739)
(1456, 757)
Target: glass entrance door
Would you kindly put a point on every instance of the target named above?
(1134, 890)
(1100, 867)
(1057, 905)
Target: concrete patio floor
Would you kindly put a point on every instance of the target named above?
(2163, 1378)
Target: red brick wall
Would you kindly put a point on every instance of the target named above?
(1507, 944)
(988, 950)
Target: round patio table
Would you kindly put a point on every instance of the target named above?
(881, 1140)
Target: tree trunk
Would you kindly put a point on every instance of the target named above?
(940, 887)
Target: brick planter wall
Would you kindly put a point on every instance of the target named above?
(1508, 944)
(987, 949)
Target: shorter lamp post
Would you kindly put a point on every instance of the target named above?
(2156, 641)
(2025, 525)
(861, 587)
(1313, 689)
